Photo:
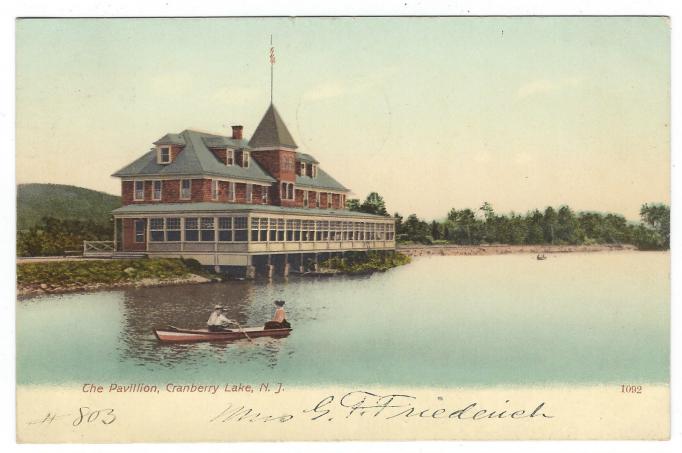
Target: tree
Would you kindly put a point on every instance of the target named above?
(374, 204)
(654, 234)
(417, 230)
(567, 226)
(657, 216)
(353, 204)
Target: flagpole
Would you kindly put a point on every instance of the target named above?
(272, 67)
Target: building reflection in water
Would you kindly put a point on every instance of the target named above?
(189, 306)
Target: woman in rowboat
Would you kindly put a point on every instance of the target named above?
(279, 321)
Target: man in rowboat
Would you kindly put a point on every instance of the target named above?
(218, 322)
(279, 321)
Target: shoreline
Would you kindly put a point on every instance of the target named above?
(46, 289)
(410, 250)
(477, 250)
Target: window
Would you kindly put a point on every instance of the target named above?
(225, 229)
(173, 229)
(342, 205)
(229, 157)
(156, 230)
(264, 194)
(305, 198)
(280, 230)
(139, 191)
(302, 168)
(309, 225)
(207, 231)
(245, 159)
(329, 200)
(287, 163)
(296, 228)
(139, 230)
(249, 193)
(287, 192)
(156, 190)
(255, 224)
(322, 228)
(191, 229)
(164, 156)
(313, 171)
(240, 229)
(263, 230)
(230, 191)
(214, 189)
(317, 199)
(185, 189)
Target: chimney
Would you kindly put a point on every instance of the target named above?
(237, 132)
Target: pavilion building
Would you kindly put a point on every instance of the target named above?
(239, 205)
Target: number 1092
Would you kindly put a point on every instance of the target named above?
(630, 388)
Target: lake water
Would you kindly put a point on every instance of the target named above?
(439, 321)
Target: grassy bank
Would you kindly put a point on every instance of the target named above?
(361, 263)
(63, 276)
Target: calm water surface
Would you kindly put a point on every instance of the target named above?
(440, 321)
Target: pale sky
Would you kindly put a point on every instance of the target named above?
(432, 113)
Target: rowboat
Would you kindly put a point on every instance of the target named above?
(173, 334)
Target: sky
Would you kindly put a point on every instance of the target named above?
(432, 113)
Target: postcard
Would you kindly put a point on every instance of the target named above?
(342, 228)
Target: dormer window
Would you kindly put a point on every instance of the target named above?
(163, 155)
(313, 171)
(245, 159)
(302, 168)
(229, 157)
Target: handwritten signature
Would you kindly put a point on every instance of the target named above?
(365, 404)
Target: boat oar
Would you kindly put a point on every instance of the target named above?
(241, 329)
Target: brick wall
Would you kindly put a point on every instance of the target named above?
(201, 191)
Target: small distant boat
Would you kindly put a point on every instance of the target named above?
(541, 257)
(173, 334)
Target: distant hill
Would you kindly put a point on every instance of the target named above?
(35, 201)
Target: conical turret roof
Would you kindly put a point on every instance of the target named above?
(272, 132)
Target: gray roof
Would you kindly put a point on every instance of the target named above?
(218, 141)
(231, 208)
(195, 159)
(171, 139)
(306, 158)
(321, 181)
(272, 132)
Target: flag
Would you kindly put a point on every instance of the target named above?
(272, 55)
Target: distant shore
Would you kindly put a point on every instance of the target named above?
(466, 250)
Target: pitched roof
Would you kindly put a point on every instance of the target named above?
(171, 139)
(272, 132)
(306, 158)
(195, 159)
(321, 181)
(230, 208)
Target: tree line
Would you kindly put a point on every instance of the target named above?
(54, 237)
(561, 226)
